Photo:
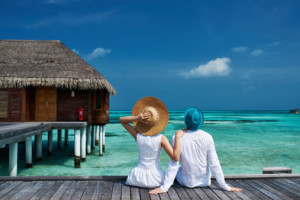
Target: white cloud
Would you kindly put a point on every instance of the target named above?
(76, 51)
(98, 52)
(257, 52)
(217, 67)
(240, 49)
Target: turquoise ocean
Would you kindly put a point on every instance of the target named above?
(246, 141)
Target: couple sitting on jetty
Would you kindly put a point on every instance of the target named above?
(194, 147)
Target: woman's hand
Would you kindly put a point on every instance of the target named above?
(180, 133)
(143, 116)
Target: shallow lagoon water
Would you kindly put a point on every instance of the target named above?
(246, 141)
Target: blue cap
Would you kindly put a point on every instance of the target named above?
(193, 118)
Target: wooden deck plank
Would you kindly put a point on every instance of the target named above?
(98, 190)
(107, 190)
(69, 192)
(278, 188)
(263, 190)
(292, 186)
(173, 194)
(201, 194)
(134, 193)
(210, 193)
(51, 191)
(245, 193)
(181, 192)
(274, 186)
(23, 191)
(231, 195)
(220, 193)
(283, 186)
(294, 183)
(258, 193)
(14, 191)
(32, 191)
(125, 192)
(8, 186)
(61, 190)
(274, 191)
(154, 196)
(44, 188)
(144, 193)
(192, 194)
(79, 189)
(88, 192)
(116, 194)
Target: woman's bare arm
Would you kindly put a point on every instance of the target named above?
(173, 153)
(126, 120)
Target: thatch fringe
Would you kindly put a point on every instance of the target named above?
(67, 83)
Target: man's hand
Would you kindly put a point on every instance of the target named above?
(156, 191)
(233, 189)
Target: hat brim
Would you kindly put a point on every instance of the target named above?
(163, 116)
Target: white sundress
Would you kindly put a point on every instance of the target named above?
(148, 172)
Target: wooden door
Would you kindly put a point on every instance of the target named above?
(45, 104)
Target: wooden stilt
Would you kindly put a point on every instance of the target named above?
(66, 137)
(83, 144)
(50, 142)
(88, 147)
(39, 147)
(13, 159)
(77, 148)
(28, 150)
(59, 139)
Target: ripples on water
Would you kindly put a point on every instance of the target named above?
(246, 141)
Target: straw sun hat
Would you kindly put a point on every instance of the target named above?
(159, 116)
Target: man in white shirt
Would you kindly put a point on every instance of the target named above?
(198, 156)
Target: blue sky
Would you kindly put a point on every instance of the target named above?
(216, 55)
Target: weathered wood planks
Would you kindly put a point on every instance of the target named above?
(283, 188)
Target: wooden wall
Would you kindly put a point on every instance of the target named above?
(21, 106)
(16, 105)
(67, 105)
(101, 117)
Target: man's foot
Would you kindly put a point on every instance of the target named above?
(156, 191)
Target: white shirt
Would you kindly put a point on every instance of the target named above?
(198, 156)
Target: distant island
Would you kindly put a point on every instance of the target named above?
(294, 111)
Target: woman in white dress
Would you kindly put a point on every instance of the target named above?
(150, 117)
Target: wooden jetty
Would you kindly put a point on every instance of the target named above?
(280, 186)
(84, 139)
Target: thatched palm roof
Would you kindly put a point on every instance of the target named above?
(26, 63)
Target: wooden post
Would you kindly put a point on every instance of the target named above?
(13, 159)
(101, 139)
(28, 150)
(83, 144)
(97, 135)
(103, 130)
(59, 139)
(88, 147)
(93, 136)
(39, 147)
(77, 148)
(50, 142)
(66, 137)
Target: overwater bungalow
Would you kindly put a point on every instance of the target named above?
(46, 81)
